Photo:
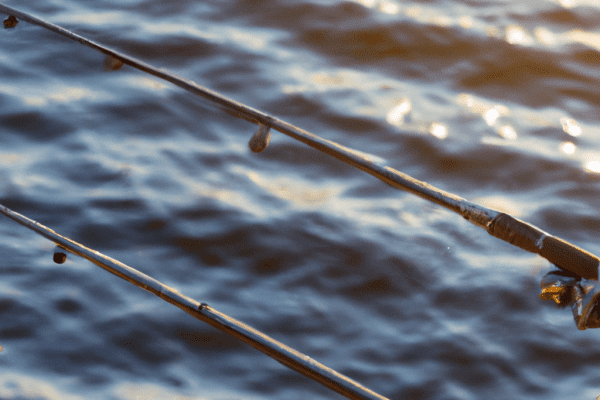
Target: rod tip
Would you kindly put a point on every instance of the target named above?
(261, 139)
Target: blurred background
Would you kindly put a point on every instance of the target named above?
(496, 101)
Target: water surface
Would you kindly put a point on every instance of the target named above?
(495, 101)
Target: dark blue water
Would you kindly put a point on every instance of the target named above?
(496, 101)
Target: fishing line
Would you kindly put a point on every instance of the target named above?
(559, 252)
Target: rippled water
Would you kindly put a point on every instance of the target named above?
(496, 101)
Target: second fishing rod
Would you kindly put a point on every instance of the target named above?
(575, 262)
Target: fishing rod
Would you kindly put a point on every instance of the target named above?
(503, 226)
(285, 355)
(575, 283)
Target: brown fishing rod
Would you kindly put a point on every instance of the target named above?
(512, 230)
